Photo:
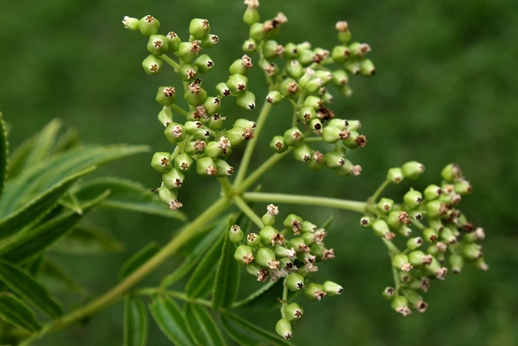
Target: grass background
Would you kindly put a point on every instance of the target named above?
(445, 92)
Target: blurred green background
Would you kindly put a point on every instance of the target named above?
(445, 92)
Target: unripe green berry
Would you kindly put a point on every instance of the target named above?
(249, 46)
(237, 135)
(213, 149)
(271, 49)
(246, 100)
(451, 173)
(278, 144)
(244, 254)
(463, 187)
(199, 28)
(173, 178)
(257, 32)
(385, 205)
(167, 196)
(187, 51)
(183, 162)
(165, 116)
(130, 23)
(354, 140)
(223, 168)
(397, 219)
(294, 69)
(313, 101)
(352, 66)
(270, 236)
(152, 64)
(448, 236)
(401, 262)
(302, 153)
(293, 223)
(335, 158)
(295, 282)
(471, 251)
(283, 328)
(161, 162)
(305, 57)
(412, 170)
(235, 234)
(148, 25)
(413, 199)
(222, 89)
(299, 244)
(191, 127)
(367, 67)
(340, 54)
(366, 221)
(331, 134)
(205, 166)
(290, 51)
(265, 257)
(307, 113)
(436, 209)
(293, 137)
(166, 95)
(314, 291)
(209, 41)
(400, 305)
(418, 258)
(395, 175)
(215, 122)
(332, 289)
(204, 63)
(253, 239)
(388, 293)
(293, 311)
(414, 243)
(188, 71)
(157, 45)
(339, 78)
(195, 95)
(174, 133)
(289, 88)
(456, 263)
(237, 83)
(251, 16)
(173, 41)
(274, 97)
(432, 192)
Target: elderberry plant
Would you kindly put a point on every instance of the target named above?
(425, 232)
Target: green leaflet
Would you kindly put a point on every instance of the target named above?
(37, 206)
(202, 327)
(247, 333)
(195, 254)
(201, 282)
(86, 240)
(38, 178)
(227, 278)
(29, 289)
(125, 195)
(18, 314)
(170, 320)
(35, 240)
(56, 279)
(135, 322)
(3, 153)
(138, 259)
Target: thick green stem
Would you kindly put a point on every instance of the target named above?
(170, 61)
(241, 204)
(372, 199)
(117, 292)
(247, 156)
(306, 200)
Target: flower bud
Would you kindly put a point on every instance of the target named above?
(335, 158)
(331, 134)
(167, 196)
(367, 67)
(294, 69)
(223, 168)
(209, 41)
(278, 144)
(241, 66)
(401, 262)
(274, 97)
(165, 117)
(148, 25)
(188, 71)
(235, 234)
(223, 89)
(418, 258)
(400, 305)
(152, 64)
(157, 45)
(432, 192)
(395, 175)
(293, 223)
(314, 291)
(388, 293)
(187, 51)
(183, 162)
(215, 122)
(213, 149)
(332, 289)
(381, 229)
(471, 251)
(246, 100)
(166, 95)
(269, 235)
(161, 162)
(413, 199)
(340, 54)
(295, 282)
(199, 28)
(265, 257)
(237, 83)
(204, 63)
(195, 94)
(299, 244)
(430, 235)
(385, 205)
(290, 51)
(352, 66)
(448, 236)
(173, 178)
(452, 173)
(205, 166)
(173, 41)
(283, 328)
(405, 231)
(130, 23)
(302, 153)
(365, 221)
(293, 137)
(354, 140)
(463, 187)
(414, 243)
(174, 133)
(339, 78)
(293, 312)
(456, 263)
(249, 46)
(257, 32)
(436, 209)
(253, 239)
(412, 170)
(305, 56)
(313, 101)
(244, 254)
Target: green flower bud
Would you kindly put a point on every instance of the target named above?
(471, 251)
(326, 96)
(241, 66)
(289, 88)
(165, 116)
(205, 166)
(308, 227)
(169, 197)
(436, 209)
(294, 69)
(290, 51)
(237, 83)
(187, 51)
(448, 236)
(352, 66)
(265, 257)
(215, 122)
(223, 168)
(413, 199)
(293, 137)
(202, 134)
(432, 192)
(194, 147)
(335, 158)
(191, 127)
(332, 289)
(157, 45)
(174, 133)
(473, 236)
(235, 234)
(253, 239)
(452, 173)
(213, 149)
(463, 187)
(274, 97)
(257, 32)
(148, 25)
(209, 41)
(414, 243)
(130, 23)
(381, 229)
(260, 273)
(412, 170)
(400, 305)
(268, 219)
(299, 244)
(339, 78)
(249, 46)
(161, 162)
(244, 255)
(188, 71)
(246, 100)
(199, 28)
(385, 205)
(355, 140)
(278, 144)
(388, 293)
(183, 162)
(401, 262)
(166, 95)
(295, 282)
(270, 236)
(318, 160)
(204, 63)
(418, 258)
(367, 67)
(435, 269)
(173, 41)
(395, 175)
(293, 223)
(314, 291)
(282, 252)
(152, 64)
(251, 15)
(222, 89)
(271, 49)
(237, 134)
(302, 153)
(305, 57)
(283, 328)
(340, 54)
(331, 134)
(293, 312)
(306, 114)
(173, 178)
(396, 219)
(366, 221)
(313, 101)
(195, 95)
(456, 263)
(405, 231)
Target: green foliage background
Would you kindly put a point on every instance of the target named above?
(445, 92)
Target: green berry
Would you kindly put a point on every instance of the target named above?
(332, 289)
(295, 282)
(161, 162)
(173, 41)
(385, 205)
(166, 95)
(205, 166)
(237, 83)
(246, 100)
(314, 291)
(253, 239)
(223, 168)
(183, 162)
(413, 199)
(148, 25)
(199, 28)
(244, 254)
(235, 234)
(278, 144)
(152, 64)
(173, 178)
(412, 170)
(274, 97)
(130, 23)
(400, 305)
(165, 116)
(283, 328)
(293, 137)
(266, 258)
(293, 312)
(451, 173)
(157, 44)
(395, 175)
(174, 133)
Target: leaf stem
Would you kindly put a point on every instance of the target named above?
(241, 204)
(372, 199)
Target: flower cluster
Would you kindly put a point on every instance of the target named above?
(291, 254)
(444, 234)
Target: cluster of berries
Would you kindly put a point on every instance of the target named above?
(304, 81)
(290, 254)
(444, 234)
